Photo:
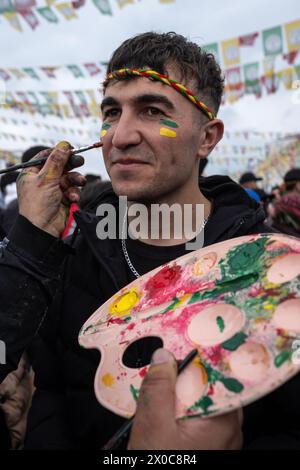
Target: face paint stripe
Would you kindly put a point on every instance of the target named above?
(105, 126)
(103, 133)
(167, 132)
(168, 123)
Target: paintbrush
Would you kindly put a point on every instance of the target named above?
(123, 433)
(42, 160)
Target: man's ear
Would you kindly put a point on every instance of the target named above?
(211, 134)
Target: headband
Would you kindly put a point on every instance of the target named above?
(153, 75)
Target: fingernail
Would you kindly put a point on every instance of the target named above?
(63, 144)
(161, 356)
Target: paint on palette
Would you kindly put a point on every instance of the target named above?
(108, 380)
(220, 323)
(105, 127)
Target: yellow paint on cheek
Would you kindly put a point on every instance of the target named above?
(108, 380)
(103, 133)
(167, 132)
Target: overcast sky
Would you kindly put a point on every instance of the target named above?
(94, 36)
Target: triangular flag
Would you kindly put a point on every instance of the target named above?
(49, 71)
(30, 18)
(124, 3)
(6, 6)
(4, 75)
(66, 10)
(103, 6)
(48, 14)
(24, 5)
(290, 57)
(18, 73)
(92, 68)
(78, 4)
(76, 71)
(248, 39)
(31, 72)
(13, 20)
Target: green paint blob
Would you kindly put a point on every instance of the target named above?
(281, 358)
(233, 343)
(205, 402)
(220, 323)
(167, 122)
(232, 385)
(173, 304)
(105, 126)
(134, 392)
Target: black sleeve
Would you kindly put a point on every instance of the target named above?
(31, 262)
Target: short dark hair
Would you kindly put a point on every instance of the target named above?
(158, 51)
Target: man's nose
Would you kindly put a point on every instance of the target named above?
(126, 132)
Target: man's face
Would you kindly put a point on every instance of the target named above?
(151, 140)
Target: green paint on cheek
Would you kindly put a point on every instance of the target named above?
(220, 323)
(134, 392)
(167, 122)
(105, 126)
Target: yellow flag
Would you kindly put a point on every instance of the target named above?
(286, 76)
(66, 10)
(167, 1)
(124, 3)
(231, 51)
(13, 20)
(292, 32)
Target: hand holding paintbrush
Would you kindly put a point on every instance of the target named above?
(49, 187)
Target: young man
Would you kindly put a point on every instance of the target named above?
(154, 136)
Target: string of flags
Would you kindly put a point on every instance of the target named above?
(29, 11)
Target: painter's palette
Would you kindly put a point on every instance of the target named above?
(237, 302)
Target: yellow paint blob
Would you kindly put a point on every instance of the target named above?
(63, 144)
(167, 132)
(108, 380)
(103, 133)
(123, 304)
(200, 366)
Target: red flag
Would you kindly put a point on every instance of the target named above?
(30, 18)
(92, 68)
(49, 71)
(78, 4)
(290, 57)
(248, 39)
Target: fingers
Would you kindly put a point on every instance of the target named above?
(72, 179)
(72, 194)
(57, 160)
(36, 169)
(156, 402)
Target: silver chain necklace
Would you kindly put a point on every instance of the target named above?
(124, 248)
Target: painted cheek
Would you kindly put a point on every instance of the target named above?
(168, 128)
(104, 129)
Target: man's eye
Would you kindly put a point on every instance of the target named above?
(151, 111)
(111, 113)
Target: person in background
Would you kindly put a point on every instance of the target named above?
(249, 181)
(287, 206)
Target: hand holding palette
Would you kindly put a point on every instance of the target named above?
(237, 302)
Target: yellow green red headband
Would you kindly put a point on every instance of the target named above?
(153, 75)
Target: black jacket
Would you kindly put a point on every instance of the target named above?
(65, 413)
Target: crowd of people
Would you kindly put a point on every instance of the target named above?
(156, 141)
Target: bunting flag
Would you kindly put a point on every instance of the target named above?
(231, 51)
(248, 39)
(234, 78)
(4, 75)
(292, 32)
(76, 4)
(213, 49)
(48, 14)
(272, 41)
(31, 73)
(103, 6)
(66, 10)
(49, 71)
(297, 70)
(30, 18)
(83, 103)
(18, 73)
(24, 5)
(252, 81)
(13, 20)
(124, 3)
(290, 57)
(76, 71)
(7, 6)
(93, 69)
(286, 76)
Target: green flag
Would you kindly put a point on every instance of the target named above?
(48, 14)
(31, 72)
(272, 41)
(103, 6)
(76, 71)
(6, 6)
(251, 77)
(212, 48)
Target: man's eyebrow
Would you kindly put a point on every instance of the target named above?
(146, 98)
(149, 98)
(109, 101)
